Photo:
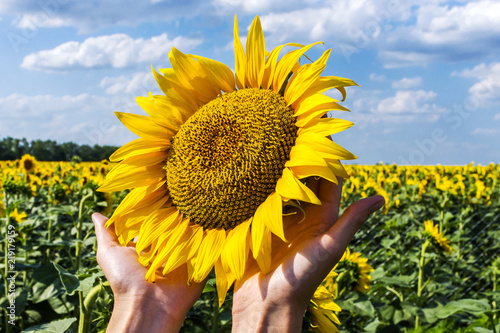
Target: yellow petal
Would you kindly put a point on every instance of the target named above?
(329, 82)
(176, 235)
(208, 253)
(235, 251)
(224, 280)
(315, 170)
(240, 58)
(324, 147)
(303, 155)
(305, 78)
(185, 249)
(325, 126)
(129, 176)
(263, 257)
(191, 75)
(286, 64)
(290, 187)
(255, 54)
(139, 198)
(145, 258)
(218, 73)
(259, 230)
(139, 147)
(144, 126)
(157, 224)
(337, 168)
(173, 88)
(161, 109)
(273, 214)
(271, 62)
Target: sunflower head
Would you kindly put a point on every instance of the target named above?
(352, 273)
(27, 163)
(18, 217)
(220, 152)
(431, 231)
(322, 311)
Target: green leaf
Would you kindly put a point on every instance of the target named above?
(401, 280)
(46, 283)
(358, 304)
(69, 281)
(57, 326)
(482, 330)
(472, 306)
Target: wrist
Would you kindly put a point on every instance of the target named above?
(264, 317)
(143, 313)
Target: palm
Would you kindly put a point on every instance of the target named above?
(304, 261)
(127, 276)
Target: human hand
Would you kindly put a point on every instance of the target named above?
(141, 306)
(278, 300)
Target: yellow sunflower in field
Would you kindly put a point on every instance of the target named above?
(27, 163)
(220, 154)
(353, 274)
(432, 230)
(18, 217)
(322, 310)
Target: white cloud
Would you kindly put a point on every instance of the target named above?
(92, 15)
(406, 106)
(410, 102)
(407, 83)
(137, 84)
(496, 117)
(377, 77)
(339, 20)
(486, 91)
(84, 118)
(117, 50)
(485, 131)
(448, 32)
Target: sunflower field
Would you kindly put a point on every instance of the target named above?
(427, 262)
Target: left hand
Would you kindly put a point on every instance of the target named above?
(141, 306)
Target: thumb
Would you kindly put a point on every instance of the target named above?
(105, 237)
(341, 233)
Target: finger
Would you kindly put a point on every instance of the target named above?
(105, 237)
(341, 233)
(330, 194)
(313, 183)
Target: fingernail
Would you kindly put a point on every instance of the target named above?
(378, 203)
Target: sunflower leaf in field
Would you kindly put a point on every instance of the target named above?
(46, 283)
(472, 306)
(401, 281)
(58, 326)
(357, 303)
(81, 282)
(209, 286)
(69, 281)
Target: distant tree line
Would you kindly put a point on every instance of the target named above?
(49, 150)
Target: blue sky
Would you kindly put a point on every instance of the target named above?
(429, 71)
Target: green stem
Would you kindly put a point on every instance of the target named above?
(490, 316)
(83, 325)
(49, 239)
(441, 218)
(420, 288)
(494, 304)
(79, 228)
(8, 327)
(86, 309)
(215, 317)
